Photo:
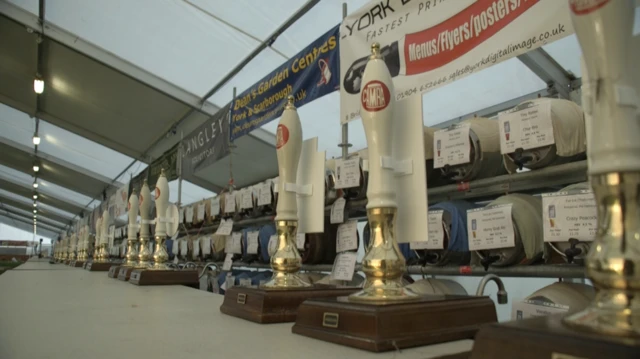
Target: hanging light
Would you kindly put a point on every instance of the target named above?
(36, 166)
(35, 196)
(35, 211)
(35, 204)
(36, 139)
(38, 84)
(35, 184)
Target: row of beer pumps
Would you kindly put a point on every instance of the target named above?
(610, 101)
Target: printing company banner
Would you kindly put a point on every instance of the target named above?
(428, 44)
(309, 75)
(206, 144)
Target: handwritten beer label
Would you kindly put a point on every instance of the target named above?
(300, 240)
(230, 202)
(200, 212)
(247, 198)
(344, 266)
(225, 227)
(189, 214)
(347, 236)
(567, 215)
(527, 126)
(490, 228)
(228, 262)
(215, 206)
(252, 242)
(233, 243)
(264, 194)
(451, 146)
(282, 136)
(347, 173)
(337, 211)
(436, 232)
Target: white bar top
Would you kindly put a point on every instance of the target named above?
(47, 312)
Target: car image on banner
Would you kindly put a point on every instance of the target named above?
(427, 44)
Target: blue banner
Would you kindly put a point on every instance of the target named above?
(310, 74)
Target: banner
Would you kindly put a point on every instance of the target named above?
(428, 44)
(309, 75)
(168, 161)
(206, 144)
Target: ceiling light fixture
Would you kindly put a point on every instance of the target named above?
(35, 196)
(36, 167)
(35, 184)
(35, 204)
(35, 211)
(38, 84)
(36, 139)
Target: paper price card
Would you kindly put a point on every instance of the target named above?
(451, 146)
(526, 126)
(567, 215)
(300, 240)
(347, 173)
(200, 212)
(436, 232)
(196, 247)
(215, 206)
(273, 245)
(347, 236)
(189, 214)
(225, 227)
(490, 228)
(264, 194)
(344, 266)
(233, 243)
(247, 198)
(184, 247)
(230, 202)
(337, 211)
(252, 242)
(244, 282)
(228, 262)
(206, 245)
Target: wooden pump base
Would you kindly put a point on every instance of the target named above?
(394, 325)
(273, 306)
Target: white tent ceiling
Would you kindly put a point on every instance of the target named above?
(121, 74)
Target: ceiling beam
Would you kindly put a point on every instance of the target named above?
(28, 192)
(41, 219)
(52, 169)
(97, 53)
(266, 43)
(27, 227)
(29, 208)
(548, 69)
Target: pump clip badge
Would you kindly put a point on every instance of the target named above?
(282, 136)
(584, 7)
(375, 96)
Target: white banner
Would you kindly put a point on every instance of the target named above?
(428, 44)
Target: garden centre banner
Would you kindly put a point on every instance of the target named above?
(309, 75)
(430, 43)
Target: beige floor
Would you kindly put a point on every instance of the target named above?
(53, 311)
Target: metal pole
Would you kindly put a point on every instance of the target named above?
(180, 170)
(266, 43)
(231, 146)
(345, 127)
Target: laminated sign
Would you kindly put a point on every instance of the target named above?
(308, 75)
(567, 215)
(527, 126)
(490, 228)
(428, 44)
